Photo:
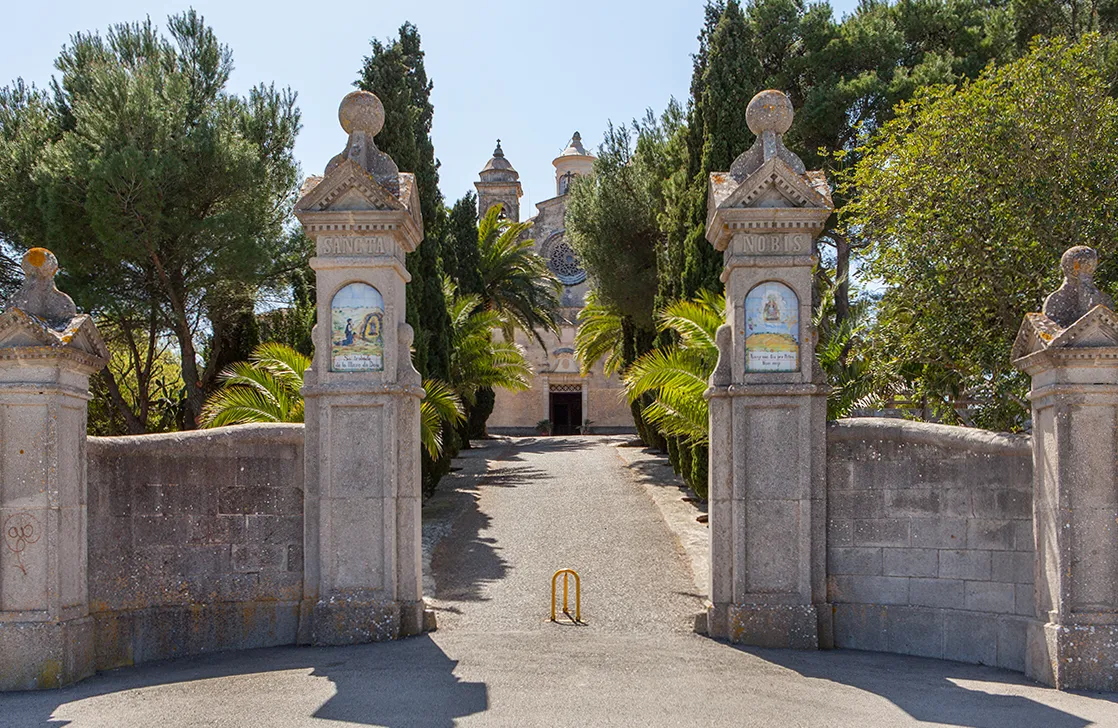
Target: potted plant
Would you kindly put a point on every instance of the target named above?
(543, 427)
(586, 429)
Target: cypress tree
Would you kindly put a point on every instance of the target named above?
(729, 80)
(461, 257)
(394, 71)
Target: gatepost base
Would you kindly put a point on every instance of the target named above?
(43, 655)
(789, 626)
(352, 619)
(1073, 657)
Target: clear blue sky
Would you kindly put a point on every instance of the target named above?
(526, 71)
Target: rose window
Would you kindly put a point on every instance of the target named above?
(563, 262)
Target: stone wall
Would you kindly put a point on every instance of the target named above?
(929, 540)
(195, 541)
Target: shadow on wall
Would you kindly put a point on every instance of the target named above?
(917, 686)
(404, 683)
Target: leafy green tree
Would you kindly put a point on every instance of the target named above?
(728, 80)
(10, 276)
(462, 262)
(613, 215)
(613, 222)
(844, 79)
(132, 398)
(858, 380)
(164, 195)
(970, 197)
(516, 283)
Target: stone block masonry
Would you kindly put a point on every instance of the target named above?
(195, 541)
(930, 545)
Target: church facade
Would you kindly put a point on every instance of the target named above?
(567, 401)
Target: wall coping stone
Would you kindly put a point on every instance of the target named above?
(927, 433)
(178, 443)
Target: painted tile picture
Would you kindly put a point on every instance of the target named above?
(357, 330)
(772, 329)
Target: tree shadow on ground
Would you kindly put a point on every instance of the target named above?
(549, 444)
(927, 689)
(658, 472)
(464, 561)
(404, 683)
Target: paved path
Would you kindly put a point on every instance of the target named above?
(549, 503)
(519, 509)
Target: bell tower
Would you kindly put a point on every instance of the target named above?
(499, 183)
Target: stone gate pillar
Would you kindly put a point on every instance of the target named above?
(1071, 352)
(47, 353)
(768, 397)
(362, 499)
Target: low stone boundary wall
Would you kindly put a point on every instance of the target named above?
(195, 541)
(929, 540)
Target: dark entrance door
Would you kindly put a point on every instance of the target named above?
(566, 413)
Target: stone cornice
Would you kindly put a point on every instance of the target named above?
(50, 355)
(725, 222)
(397, 223)
(1039, 361)
(354, 389)
(767, 390)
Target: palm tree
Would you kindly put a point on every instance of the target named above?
(263, 389)
(858, 380)
(478, 360)
(440, 409)
(517, 284)
(600, 335)
(676, 376)
(266, 389)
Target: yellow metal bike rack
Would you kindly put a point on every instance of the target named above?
(566, 574)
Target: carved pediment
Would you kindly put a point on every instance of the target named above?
(348, 187)
(774, 184)
(20, 330)
(1037, 332)
(1096, 329)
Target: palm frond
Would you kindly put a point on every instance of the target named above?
(439, 409)
(599, 336)
(264, 389)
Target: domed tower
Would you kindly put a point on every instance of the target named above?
(573, 162)
(499, 183)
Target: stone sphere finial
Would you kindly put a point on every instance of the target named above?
(770, 110)
(39, 263)
(38, 295)
(1079, 262)
(1077, 294)
(361, 111)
